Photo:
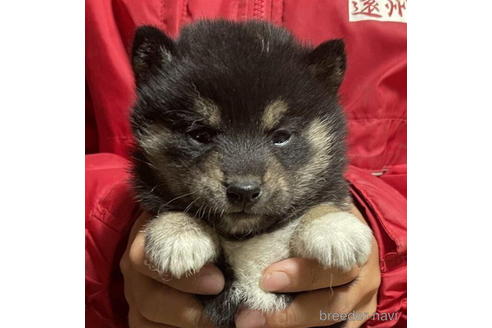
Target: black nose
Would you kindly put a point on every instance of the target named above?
(243, 193)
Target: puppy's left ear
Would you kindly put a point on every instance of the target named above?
(327, 61)
(152, 49)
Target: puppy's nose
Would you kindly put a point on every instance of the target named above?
(243, 193)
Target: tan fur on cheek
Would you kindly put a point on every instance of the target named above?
(275, 174)
(209, 110)
(212, 167)
(153, 139)
(172, 177)
(273, 114)
(153, 143)
(206, 179)
(275, 178)
(319, 138)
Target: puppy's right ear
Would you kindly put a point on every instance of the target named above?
(152, 49)
(328, 62)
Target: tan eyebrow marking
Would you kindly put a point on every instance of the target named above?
(209, 110)
(273, 113)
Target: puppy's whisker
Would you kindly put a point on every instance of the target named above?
(190, 205)
(179, 197)
(216, 210)
(199, 211)
(145, 162)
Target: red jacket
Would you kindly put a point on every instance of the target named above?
(373, 95)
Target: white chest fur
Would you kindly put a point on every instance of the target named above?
(250, 257)
(178, 244)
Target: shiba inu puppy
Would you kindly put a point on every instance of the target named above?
(240, 155)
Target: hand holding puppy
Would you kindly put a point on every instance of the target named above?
(156, 301)
(325, 290)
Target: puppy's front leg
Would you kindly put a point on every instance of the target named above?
(335, 238)
(179, 244)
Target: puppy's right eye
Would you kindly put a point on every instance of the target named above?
(281, 137)
(203, 136)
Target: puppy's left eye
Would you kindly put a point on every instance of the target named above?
(203, 136)
(281, 137)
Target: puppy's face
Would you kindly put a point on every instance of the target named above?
(237, 124)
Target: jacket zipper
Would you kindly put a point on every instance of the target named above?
(259, 9)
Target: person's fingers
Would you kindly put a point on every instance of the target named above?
(162, 304)
(153, 300)
(299, 274)
(370, 280)
(208, 281)
(136, 320)
(306, 309)
(313, 308)
(363, 313)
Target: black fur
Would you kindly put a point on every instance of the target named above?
(241, 68)
(224, 62)
(222, 308)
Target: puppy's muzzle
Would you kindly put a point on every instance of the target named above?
(243, 194)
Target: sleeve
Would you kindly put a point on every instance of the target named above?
(110, 212)
(384, 208)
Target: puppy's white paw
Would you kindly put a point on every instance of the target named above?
(176, 243)
(336, 240)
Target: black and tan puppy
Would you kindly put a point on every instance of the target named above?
(240, 156)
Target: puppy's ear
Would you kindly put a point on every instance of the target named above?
(327, 61)
(152, 49)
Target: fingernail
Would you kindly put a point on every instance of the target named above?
(274, 281)
(250, 319)
(210, 281)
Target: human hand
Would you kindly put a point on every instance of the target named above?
(353, 291)
(161, 301)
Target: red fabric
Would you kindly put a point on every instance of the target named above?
(373, 95)
(110, 211)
